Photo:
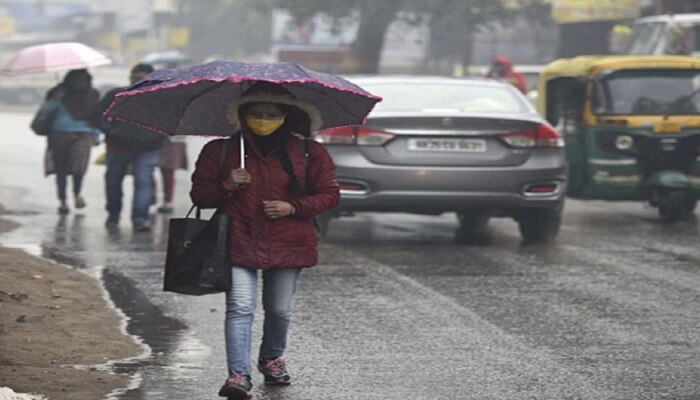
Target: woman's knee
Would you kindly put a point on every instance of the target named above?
(281, 310)
(240, 306)
(280, 315)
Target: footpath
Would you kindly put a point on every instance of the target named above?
(57, 331)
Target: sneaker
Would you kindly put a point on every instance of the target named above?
(237, 387)
(165, 209)
(111, 223)
(63, 210)
(142, 227)
(275, 371)
(79, 202)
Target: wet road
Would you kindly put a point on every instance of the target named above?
(397, 310)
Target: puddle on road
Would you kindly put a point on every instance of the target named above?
(161, 337)
(65, 241)
(145, 321)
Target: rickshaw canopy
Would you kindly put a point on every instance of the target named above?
(584, 67)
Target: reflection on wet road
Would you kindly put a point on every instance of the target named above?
(398, 310)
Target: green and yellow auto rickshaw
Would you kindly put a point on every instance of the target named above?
(631, 126)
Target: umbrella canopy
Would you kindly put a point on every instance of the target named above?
(195, 100)
(53, 57)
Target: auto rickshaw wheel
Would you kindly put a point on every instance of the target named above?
(690, 204)
(539, 226)
(673, 206)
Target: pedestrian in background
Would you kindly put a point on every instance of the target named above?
(129, 146)
(172, 156)
(72, 104)
(502, 69)
(271, 203)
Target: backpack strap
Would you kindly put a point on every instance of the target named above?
(305, 160)
(305, 150)
(223, 154)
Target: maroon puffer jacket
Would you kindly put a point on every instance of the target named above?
(256, 241)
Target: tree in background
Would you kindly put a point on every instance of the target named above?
(452, 29)
(229, 29)
(243, 27)
(459, 19)
(373, 17)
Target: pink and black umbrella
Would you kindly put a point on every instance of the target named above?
(194, 100)
(53, 57)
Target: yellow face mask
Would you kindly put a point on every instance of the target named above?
(264, 127)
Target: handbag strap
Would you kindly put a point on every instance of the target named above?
(222, 162)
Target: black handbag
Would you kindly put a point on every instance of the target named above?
(42, 122)
(198, 258)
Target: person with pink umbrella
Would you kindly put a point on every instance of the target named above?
(67, 114)
(70, 106)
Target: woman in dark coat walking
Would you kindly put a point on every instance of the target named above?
(271, 202)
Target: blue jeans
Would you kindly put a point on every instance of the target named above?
(62, 185)
(279, 286)
(143, 164)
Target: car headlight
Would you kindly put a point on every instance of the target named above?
(624, 142)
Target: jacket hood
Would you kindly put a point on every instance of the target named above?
(504, 61)
(307, 120)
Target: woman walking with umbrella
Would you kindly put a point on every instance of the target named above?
(66, 114)
(271, 203)
(268, 178)
(71, 106)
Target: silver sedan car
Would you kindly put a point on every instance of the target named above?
(474, 147)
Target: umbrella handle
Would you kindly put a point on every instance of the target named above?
(242, 152)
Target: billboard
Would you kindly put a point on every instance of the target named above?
(572, 11)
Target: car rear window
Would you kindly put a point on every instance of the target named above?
(421, 96)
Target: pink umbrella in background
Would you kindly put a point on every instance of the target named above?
(53, 57)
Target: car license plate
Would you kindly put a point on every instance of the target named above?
(447, 145)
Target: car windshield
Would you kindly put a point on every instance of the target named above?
(645, 37)
(648, 92)
(451, 96)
